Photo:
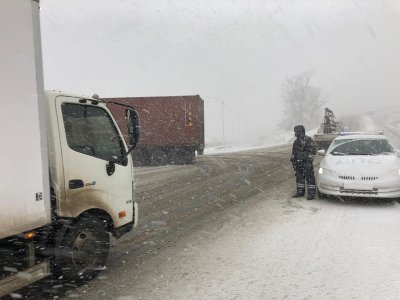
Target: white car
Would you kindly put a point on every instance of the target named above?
(359, 165)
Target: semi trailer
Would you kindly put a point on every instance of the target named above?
(172, 128)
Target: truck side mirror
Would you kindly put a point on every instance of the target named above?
(321, 152)
(133, 138)
(133, 127)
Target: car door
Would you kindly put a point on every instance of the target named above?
(89, 140)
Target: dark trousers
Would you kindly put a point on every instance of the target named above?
(305, 173)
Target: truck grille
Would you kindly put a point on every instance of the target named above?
(347, 177)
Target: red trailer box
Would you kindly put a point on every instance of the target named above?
(172, 128)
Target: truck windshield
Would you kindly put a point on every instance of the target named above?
(90, 130)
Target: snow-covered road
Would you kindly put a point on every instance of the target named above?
(293, 249)
(275, 248)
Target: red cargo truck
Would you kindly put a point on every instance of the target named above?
(172, 128)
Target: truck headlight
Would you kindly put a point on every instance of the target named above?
(321, 171)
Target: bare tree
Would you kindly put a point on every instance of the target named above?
(302, 102)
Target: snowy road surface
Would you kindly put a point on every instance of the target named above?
(273, 247)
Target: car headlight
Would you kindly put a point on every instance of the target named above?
(328, 172)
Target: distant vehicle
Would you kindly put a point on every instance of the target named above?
(172, 128)
(328, 130)
(359, 165)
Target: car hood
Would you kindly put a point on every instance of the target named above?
(365, 165)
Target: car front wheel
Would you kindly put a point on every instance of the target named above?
(321, 195)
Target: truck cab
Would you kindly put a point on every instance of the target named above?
(84, 143)
(91, 181)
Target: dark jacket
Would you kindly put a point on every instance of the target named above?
(303, 151)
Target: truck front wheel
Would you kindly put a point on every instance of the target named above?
(84, 249)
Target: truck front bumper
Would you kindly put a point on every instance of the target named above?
(120, 231)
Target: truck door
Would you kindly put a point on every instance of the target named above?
(89, 140)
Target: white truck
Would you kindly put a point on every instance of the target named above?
(66, 176)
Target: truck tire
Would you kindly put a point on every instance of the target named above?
(176, 156)
(84, 249)
(189, 156)
(157, 157)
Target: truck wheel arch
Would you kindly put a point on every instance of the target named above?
(65, 224)
(100, 214)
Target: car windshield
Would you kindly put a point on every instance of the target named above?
(361, 147)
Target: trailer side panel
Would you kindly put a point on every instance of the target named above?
(24, 188)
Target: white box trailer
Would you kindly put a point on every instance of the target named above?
(24, 183)
(66, 176)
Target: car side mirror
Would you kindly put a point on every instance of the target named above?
(321, 152)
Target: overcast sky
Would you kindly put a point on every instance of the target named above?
(238, 52)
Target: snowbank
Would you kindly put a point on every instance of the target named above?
(281, 138)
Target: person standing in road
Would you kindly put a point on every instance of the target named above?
(303, 152)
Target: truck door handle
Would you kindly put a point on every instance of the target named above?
(75, 184)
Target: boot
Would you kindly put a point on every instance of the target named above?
(310, 197)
